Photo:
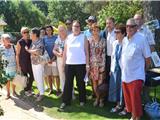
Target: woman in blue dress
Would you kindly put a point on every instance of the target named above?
(115, 88)
(8, 54)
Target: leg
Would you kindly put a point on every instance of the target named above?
(80, 74)
(135, 90)
(50, 81)
(94, 85)
(67, 93)
(127, 97)
(8, 89)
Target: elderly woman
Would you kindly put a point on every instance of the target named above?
(75, 59)
(96, 61)
(58, 51)
(115, 87)
(36, 50)
(8, 54)
(23, 59)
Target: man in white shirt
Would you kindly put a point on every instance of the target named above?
(109, 35)
(135, 57)
(144, 30)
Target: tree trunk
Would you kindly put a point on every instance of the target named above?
(151, 12)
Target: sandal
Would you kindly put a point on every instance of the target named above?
(8, 97)
(123, 113)
(115, 109)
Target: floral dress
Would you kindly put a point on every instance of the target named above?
(8, 55)
(97, 59)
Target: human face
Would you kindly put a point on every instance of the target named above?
(76, 28)
(119, 35)
(25, 34)
(6, 42)
(42, 33)
(109, 25)
(33, 36)
(62, 32)
(131, 29)
(49, 31)
(95, 31)
(138, 19)
(90, 22)
(69, 26)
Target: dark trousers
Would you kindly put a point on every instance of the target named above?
(108, 66)
(30, 79)
(79, 72)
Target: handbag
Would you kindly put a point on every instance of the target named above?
(20, 80)
(102, 89)
(153, 110)
(44, 58)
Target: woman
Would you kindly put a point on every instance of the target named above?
(51, 70)
(115, 87)
(75, 59)
(58, 51)
(96, 61)
(8, 54)
(36, 50)
(23, 59)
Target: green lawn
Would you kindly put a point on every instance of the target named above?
(51, 103)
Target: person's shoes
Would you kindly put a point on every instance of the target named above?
(8, 97)
(58, 93)
(28, 93)
(39, 98)
(101, 104)
(50, 92)
(36, 95)
(123, 113)
(73, 97)
(15, 94)
(81, 104)
(115, 109)
(95, 103)
(61, 108)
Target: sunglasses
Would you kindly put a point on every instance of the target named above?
(26, 32)
(117, 32)
(130, 26)
(68, 23)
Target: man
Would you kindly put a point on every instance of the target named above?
(144, 30)
(69, 26)
(150, 39)
(23, 59)
(109, 35)
(89, 21)
(135, 57)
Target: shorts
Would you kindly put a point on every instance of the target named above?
(51, 69)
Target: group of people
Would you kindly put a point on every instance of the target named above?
(118, 56)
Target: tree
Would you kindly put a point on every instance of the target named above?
(151, 9)
(21, 13)
(61, 10)
(120, 10)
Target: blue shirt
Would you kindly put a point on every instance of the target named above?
(49, 44)
(88, 33)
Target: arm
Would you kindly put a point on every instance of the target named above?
(58, 54)
(147, 63)
(64, 56)
(18, 48)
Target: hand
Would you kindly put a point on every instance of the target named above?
(26, 47)
(49, 62)
(59, 54)
(87, 70)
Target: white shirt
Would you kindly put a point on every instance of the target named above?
(110, 38)
(75, 53)
(133, 56)
(148, 34)
(113, 57)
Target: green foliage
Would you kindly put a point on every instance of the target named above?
(61, 10)
(120, 10)
(21, 13)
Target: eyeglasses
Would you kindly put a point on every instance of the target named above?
(76, 26)
(68, 23)
(117, 32)
(26, 32)
(130, 26)
(91, 21)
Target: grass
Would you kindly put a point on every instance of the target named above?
(50, 104)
